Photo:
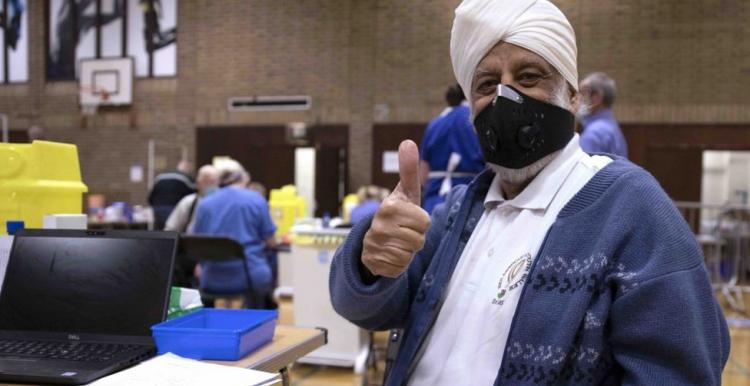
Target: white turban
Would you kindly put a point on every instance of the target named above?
(536, 25)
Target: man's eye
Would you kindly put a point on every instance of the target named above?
(487, 86)
(529, 78)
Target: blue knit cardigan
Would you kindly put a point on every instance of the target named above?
(617, 295)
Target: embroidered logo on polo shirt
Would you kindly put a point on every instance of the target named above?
(513, 277)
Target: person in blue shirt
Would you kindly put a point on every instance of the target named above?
(370, 198)
(450, 153)
(241, 214)
(601, 133)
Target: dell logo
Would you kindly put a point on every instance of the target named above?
(73, 337)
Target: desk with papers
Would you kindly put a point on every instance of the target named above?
(289, 344)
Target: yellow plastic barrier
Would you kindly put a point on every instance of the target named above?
(286, 206)
(38, 179)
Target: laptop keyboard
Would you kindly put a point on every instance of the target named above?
(72, 351)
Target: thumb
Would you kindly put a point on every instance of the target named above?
(408, 170)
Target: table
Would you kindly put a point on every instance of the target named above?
(289, 343)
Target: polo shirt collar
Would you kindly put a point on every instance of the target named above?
(544, 187)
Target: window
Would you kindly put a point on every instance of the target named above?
(83, 29)
(14, 42)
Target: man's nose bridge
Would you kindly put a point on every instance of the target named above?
(507, 79)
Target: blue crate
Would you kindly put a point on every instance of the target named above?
(216, 334)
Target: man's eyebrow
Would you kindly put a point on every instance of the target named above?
(541, 65)
(483, 72)
(522, 63)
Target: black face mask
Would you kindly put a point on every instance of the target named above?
(516, 130)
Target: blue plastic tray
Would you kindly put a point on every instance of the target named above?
(215, 334)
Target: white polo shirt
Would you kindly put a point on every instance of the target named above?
(467, 342)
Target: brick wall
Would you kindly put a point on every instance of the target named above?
(676, 61)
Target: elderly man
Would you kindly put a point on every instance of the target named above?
(182, 217)
(601, 133)
(553, 267)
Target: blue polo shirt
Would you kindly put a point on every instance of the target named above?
(242, 215)
(451, 132)
(364, 210)
(602, 134)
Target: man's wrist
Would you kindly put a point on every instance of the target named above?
(368, 278)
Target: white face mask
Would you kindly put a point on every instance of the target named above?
(584, 110)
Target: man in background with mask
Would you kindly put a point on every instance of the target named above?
(601, 133)
(553, 267)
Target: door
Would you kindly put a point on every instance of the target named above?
(269, 157)
(386, 138)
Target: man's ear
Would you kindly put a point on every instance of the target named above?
(575, 99)
(597, 98)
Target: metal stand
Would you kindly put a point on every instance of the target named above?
(723, 232)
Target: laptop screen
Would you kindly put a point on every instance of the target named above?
(86, 284)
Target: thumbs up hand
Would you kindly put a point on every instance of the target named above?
(399, 226)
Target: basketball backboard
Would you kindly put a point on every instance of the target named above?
(106, 82)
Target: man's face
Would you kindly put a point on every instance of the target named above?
(518, 67)
(206, 182)
(591, 98)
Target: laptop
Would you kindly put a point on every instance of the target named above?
(77, 305)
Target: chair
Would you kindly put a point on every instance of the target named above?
(195, 249)
(395, 337)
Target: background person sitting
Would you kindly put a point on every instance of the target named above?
(241, 214)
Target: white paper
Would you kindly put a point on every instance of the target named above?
(172, 370)
(5, 243)
(390, 162)
(65, 221)
(136, 173)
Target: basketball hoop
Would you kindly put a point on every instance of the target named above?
(97, 97)
(105, 82)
